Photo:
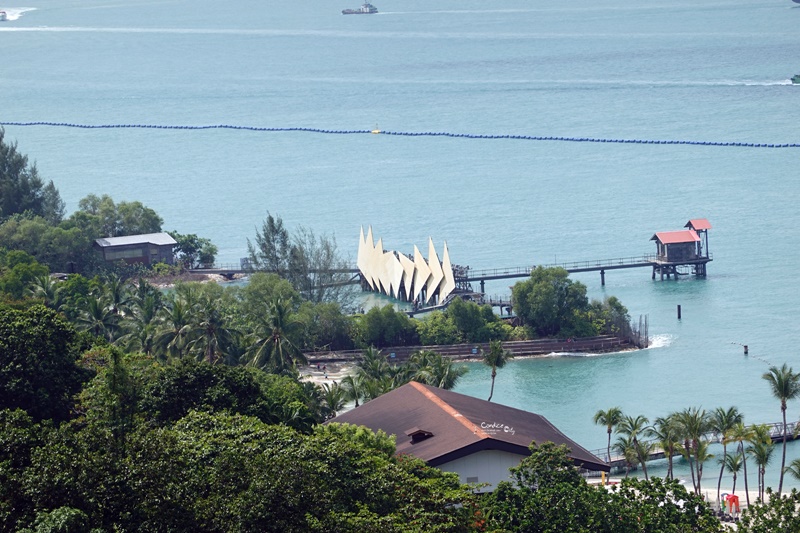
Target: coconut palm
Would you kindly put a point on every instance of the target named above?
(702, 456)
(118, 293)
(44, 288)
(785, 385)
(760, 449)
(694, 425)
(172, 336)
(732, 462)
(210, 333)
(632, 427)
(335, 397)
(666, 431)
(608, 418)
(740, 434)
(373, 364)
(722, 422)
(794, 469)
(495, 358)
(625, 447)
(435, 369)
(98, 318)
(353, 385)
(277, 334)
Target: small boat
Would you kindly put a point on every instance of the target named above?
(365, 9)
(3, 16)
(796, 79)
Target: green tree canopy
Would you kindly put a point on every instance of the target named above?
(99, 216)
(187, 385)
(21, 188)
(193, 251)
(39, 373)
(549, 301)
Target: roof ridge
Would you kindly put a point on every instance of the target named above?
(450, 410)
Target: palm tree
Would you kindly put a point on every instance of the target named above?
(435, 369)
(785, 385)
(625, 447)
(632, 427)
(732, 462)
(353, 385)
(373, 364)
(740, 434)
(44, 288)
(760, 450)
(666, 431)
(722, 422)
(98, 318)
(794, 469)
(608, 418)
(277, 332)
(211, 336)
(694, 425)
(172, 336)
(495, 358)
(118, 293)
(701, 456)
(335, 397)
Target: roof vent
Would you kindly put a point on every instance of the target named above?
(418, 434)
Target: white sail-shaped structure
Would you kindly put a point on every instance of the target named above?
(399, 276)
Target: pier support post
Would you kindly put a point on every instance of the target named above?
(679, 312)
(483, 282)
(603, 278)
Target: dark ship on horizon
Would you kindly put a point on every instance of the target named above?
(365, 9)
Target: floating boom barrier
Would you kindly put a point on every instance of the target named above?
(404, 134)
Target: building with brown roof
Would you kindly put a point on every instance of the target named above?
(478, 440)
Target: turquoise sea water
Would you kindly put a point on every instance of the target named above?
(703, 70)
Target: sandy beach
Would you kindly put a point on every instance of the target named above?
(329, 373)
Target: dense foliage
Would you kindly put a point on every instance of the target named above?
(549, 496)
(21, 188)
(551, 305)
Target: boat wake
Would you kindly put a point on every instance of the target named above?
(14, 13)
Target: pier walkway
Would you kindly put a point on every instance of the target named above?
(653, 261)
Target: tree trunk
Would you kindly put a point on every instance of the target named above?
(744, 464)
(669, 463)
(608, 453)
(722, 468)
(691, 467)
(783, 455)
(642, 460)
(491, 391)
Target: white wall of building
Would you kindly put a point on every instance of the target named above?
(488, 466)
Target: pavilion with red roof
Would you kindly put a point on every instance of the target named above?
(682, 248)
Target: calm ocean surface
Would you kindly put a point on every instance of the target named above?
(700, 70)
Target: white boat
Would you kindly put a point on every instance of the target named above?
(3, 16)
